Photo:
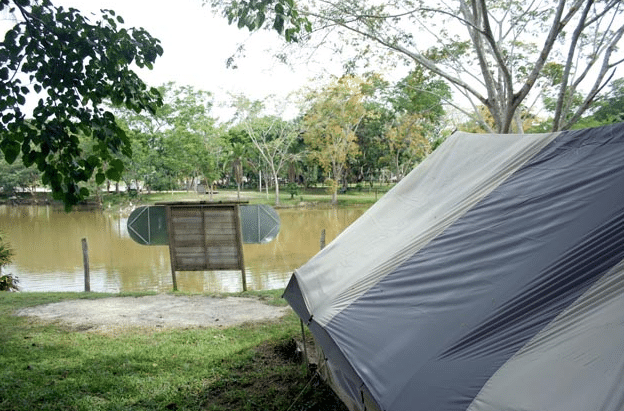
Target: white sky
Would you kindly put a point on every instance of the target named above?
(196, 46)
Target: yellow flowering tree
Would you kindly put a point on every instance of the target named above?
(331, 122)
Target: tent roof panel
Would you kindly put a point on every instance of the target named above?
(448, 183)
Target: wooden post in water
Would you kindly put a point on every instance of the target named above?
(322, 239)
(85, 259)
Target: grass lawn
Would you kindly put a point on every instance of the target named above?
(250, 367)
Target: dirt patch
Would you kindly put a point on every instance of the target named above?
(155, 312)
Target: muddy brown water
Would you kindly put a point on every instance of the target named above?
(48, 251)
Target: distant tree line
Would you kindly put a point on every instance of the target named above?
(353, 131)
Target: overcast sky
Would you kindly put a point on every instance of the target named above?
(197, 44)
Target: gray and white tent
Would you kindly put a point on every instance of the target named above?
(490, 278)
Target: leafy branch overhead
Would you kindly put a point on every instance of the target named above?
(498, 55)
(279, 15)
(59, 74)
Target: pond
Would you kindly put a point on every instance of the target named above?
(48, 252)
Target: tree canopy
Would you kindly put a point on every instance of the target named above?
(271, 136)
(179, 142)
(331, 124)
(500, 55)
(60, 73)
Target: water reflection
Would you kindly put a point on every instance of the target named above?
(47, 244)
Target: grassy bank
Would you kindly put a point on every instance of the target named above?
(251, 367)
(313, 197)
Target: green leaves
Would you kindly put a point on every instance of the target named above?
(175, 143)
(253, 15)
(116, 168)
(75, 66)
(11, 150)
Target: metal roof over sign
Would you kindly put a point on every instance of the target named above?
(147, 225)
(261, 224)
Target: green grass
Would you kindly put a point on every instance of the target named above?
(311, 197)
(50, 367)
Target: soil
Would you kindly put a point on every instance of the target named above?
(154, 312)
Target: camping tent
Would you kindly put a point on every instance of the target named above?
(490, 278)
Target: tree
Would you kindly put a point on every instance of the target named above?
(370, 139)
(271, 136)
(331, 123)
(417, 102)
(611, 109)
(407, 142)
(76, 69)
(237, 154)
(13, 176)
(422, 93)
(178, 142)
(496, 54)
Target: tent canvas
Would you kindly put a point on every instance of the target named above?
(488, 279)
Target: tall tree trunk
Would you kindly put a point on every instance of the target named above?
(276, 179)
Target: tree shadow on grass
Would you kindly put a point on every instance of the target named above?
(272, 378)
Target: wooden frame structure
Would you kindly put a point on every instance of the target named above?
(205, 236)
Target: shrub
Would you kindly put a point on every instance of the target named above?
(8, 282)
(293, 189)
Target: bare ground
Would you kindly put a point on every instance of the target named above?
(154, 312)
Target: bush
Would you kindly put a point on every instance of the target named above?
(293, 189)
(7, 281)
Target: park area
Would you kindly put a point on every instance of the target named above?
(81, 351)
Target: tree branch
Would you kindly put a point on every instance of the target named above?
(417, 57)
(568, 66)
(598, 84)
(557, 26)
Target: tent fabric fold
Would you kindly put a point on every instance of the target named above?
(489, 278)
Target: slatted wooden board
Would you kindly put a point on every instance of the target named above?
(205, 237)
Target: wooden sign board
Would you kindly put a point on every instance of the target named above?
(205, 237)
